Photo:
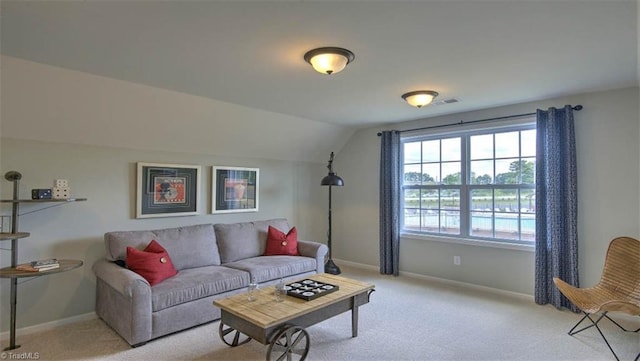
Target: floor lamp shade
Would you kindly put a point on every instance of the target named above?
(331, 180)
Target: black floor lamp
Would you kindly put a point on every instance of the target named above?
(331, 180)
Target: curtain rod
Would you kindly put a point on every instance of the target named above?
(576, 108)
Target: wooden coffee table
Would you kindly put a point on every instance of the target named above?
(281, 325)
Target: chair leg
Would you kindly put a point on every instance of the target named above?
(595, 323)
(625, 330)
(586, 315)
(617, 324)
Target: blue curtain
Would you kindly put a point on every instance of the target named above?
(390, 194)
(556, 252)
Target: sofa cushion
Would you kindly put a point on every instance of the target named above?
(280, 243)
(189, 246)
(153, 263)
(195, 283)
(268, 268)
(242, 240)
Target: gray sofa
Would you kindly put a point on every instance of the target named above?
(213, 261)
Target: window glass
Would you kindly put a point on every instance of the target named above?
(495, 202)
(528, 143)
(411, 152)
(430, 210)
(431, 151)
(481, 171)
(450, 199)
(507, 171)
(507, 144)
(482, 224)
(450, 222)
(450, 149)
(451, 173)
(430, 199)
(528, 201)
(412, 174)
(482, 146)
(431, 173)
(506, 225)
(528, 170)
(506, 200)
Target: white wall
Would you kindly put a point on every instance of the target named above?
(34, 100)
(43, 102)
(107, 177)
(607, 133)
(58, 123)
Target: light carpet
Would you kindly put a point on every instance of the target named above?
(408, 318)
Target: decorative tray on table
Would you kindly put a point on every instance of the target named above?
(309, 289)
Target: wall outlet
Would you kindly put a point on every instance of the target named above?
(456, 260)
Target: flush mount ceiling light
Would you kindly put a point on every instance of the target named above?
(329, 60)
(419, 98)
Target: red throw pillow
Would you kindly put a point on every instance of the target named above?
(154, 263)
(279, 243)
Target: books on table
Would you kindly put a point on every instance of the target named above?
(44, 263)
(39, 266)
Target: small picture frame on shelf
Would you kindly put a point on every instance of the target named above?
(235, 189)
(167, 190)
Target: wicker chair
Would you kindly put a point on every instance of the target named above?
(617, 291)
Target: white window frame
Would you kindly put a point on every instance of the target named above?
(467, 131)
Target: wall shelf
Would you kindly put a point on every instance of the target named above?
(9, 236)
(42, 200)
(11, 272)
(65, 265)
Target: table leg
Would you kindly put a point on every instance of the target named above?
(354, 317)
(291, 344)
(231, 336)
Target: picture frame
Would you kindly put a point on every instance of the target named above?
(235, 189)
(167, 190)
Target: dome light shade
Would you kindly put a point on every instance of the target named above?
(329, 60)
(419, 98)
(332, 180)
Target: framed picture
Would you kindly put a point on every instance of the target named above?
(167, 190)
(235, 189)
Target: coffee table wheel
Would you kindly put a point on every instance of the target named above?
(291, 344)
(231, 336)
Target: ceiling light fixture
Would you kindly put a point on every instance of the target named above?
(419, 98)
(329, 60)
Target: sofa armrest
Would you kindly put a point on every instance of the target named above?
(123, 300)
(119, 278)
(316, 250)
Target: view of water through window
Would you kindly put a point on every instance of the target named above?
(477, 185)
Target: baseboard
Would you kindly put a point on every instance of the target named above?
(49, 325)
(633, 321)
(442, 281)
(92, 315)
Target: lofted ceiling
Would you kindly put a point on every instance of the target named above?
(250, 53)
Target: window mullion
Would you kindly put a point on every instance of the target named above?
(484, 213)
(440, 183)
(493, 191)
(464, 187)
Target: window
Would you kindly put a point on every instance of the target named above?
(475, 185)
